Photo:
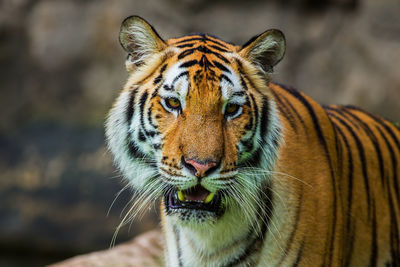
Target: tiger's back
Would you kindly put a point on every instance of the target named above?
(357, 186)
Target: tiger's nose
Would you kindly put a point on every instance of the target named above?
(199, 168)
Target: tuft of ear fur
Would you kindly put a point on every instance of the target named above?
(140, 40)
(265, 50)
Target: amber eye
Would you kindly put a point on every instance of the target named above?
(231, 109)
(173, 103)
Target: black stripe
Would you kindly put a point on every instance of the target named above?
(186, 53)
(243, 83)
(150, 133)
(284, 111)
(190, 39)
(143, 100)
(186, 45)
(157, 79)
(202, 49)
(141, 136)
(188, 64)
(133, 149)
(373, 260)
(255, 158)
(339, 149)
(374, 141)
(215, 40)
(311, 111)
(163, 68)
(349, 235)
(249, 126)
(394, 232)
(205, 50)
(219, 48)
(248, 144)
(202, 37)
(264, 120)
(381, 122)
(361, 154)
(150, 119)
(185, 73)
(178, 245)
(299, 254)
(224, 59)
(157, 146)
(221, 67)
(204, 62)
(168, 88)
(131, 105)
(224, 77)
(346, 116)
(240, 93)
(321, 138)
(155, 93)
(294, 110)
(255, 121)
(250, 82)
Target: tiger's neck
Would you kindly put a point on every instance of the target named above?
(228, 242)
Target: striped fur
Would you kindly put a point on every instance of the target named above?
(301, 184)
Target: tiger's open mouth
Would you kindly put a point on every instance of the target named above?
(194, 198)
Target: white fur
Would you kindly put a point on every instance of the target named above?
(117, 132)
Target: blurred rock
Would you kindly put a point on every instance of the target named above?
(57, 33)
(144, 250)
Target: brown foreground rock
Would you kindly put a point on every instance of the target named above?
(144, 250)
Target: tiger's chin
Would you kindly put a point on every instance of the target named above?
(194, 206)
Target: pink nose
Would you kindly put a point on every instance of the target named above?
(200, 168)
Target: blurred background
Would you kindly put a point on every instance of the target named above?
(61, 66)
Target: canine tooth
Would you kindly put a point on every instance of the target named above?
(209, 198)
(181, 197)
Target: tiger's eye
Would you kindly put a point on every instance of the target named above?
(173, 103)
(231, 109)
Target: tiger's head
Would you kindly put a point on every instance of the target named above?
(195, 121)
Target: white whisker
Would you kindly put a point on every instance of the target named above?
(116, 197)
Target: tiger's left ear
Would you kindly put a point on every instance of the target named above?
(265, 50)
(140, 40)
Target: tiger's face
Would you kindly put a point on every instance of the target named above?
(192, 119)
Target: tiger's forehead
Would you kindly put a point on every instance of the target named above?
(198, 41)
(203, 64)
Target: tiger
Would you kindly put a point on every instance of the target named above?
(250, 172)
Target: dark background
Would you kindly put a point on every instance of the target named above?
(61, 66)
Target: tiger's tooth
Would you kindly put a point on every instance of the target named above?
(209, 198)
(181, 197)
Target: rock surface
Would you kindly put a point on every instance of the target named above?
(144, 250)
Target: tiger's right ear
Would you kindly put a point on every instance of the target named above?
(140, 40)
